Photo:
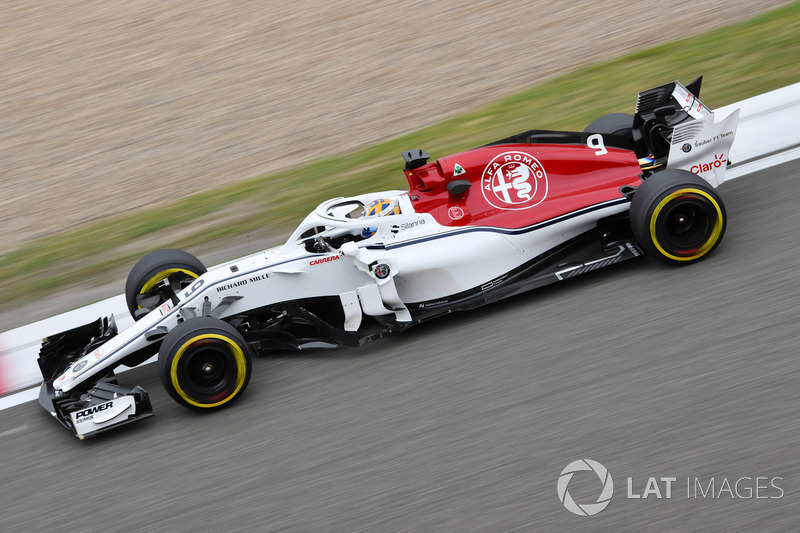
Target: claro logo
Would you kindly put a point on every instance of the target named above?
(718, 161)
(324, 260)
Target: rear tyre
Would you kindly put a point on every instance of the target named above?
(613, 123)
(677, 216)
(143, 286)
(204, 363)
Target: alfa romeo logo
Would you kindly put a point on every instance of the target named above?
(382, 271)
(586, 509)
(514, 180)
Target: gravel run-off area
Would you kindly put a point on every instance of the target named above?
(111, 106)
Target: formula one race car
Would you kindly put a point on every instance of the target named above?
(472, 228)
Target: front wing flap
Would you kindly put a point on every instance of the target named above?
(105, 406)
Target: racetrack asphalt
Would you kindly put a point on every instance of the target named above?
(466, 422)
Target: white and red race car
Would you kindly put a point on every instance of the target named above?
(473, 227)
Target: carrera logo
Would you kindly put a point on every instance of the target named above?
(324, 260)
(514, 180)
(718, 161)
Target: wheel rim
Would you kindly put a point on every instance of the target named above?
(686, 224)
(208, 370)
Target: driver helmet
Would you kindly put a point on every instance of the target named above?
(375, 207)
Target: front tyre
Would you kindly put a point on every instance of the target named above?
(144, 287)
(677, 216)
(204, 363)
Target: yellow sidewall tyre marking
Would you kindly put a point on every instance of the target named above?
(241, 367)
(710, 242)
(148, 286)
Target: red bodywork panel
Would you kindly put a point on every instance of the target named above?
(516, 185)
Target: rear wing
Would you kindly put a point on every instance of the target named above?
(672, 128)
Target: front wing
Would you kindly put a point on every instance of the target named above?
(105, 404)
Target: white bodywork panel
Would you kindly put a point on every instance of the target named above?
(703, 146)
(410, 258)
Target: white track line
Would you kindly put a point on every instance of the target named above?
(19, 397)
(737, 171)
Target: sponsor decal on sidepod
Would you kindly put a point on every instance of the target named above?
(324, 260)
